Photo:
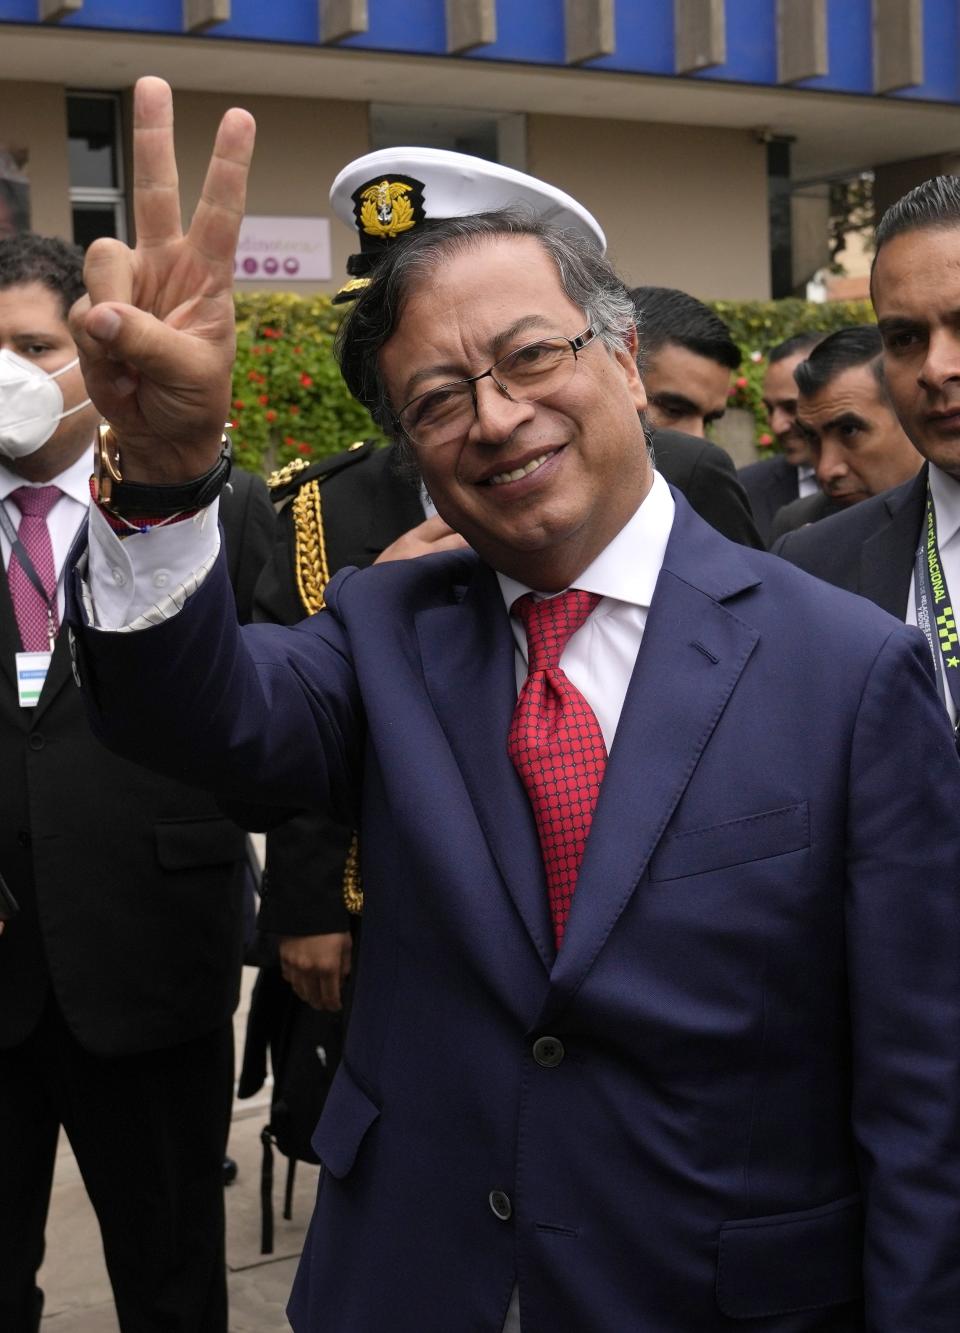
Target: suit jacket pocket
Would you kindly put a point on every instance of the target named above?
(347, 1115)
(793, 1261)
(751, 838)
(183, 844)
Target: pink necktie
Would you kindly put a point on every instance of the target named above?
(36, 626)
(556, 745)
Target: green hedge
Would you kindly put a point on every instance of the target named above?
(289, 400)
(757, 326)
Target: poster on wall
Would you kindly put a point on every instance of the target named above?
(283, 250)
(14, 192)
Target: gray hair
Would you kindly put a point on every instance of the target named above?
(586, 277)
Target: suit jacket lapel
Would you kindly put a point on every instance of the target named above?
(467, 650)
(9, 636)
(690, 660)
(58, 675)
(887, 557)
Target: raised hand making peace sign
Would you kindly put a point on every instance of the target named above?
(156, 331)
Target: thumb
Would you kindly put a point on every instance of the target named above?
(124, 333)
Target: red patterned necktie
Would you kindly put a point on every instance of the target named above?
(33, 617)
(556, 745)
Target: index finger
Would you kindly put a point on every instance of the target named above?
(156, 186)
(215, 227)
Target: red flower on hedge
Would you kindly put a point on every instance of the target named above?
(305, 380)
(239, 404)
(288, 439)
(263, 399)
(271, 415)
(765, 440)
(742, 382)
(293, 410)
(303, 447)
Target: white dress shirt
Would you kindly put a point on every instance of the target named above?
(600, 657)
(806, 481)
(63, 520)
(946, 505)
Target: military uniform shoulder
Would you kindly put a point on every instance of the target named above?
(287, 480)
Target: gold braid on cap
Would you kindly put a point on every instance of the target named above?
(313, 574)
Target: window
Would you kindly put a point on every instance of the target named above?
(496, 136)
(97, 199)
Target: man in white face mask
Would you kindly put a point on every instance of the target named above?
(46, 419)
(114, 1017)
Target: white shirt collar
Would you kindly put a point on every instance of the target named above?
(626, 569)
(946, 502)
(74, 481)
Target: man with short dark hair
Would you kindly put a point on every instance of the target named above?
(119, 976)
(851, 429)
(687, 358)
(592, 1080)
(902, 549)
(774, 482)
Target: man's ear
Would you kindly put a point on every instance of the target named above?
(626, 355)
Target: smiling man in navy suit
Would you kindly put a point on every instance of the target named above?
(669, 1058)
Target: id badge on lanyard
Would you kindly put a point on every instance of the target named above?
(936, 615)
(32, 671)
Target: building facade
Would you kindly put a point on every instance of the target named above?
(702, 133)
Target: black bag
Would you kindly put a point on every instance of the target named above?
(305, 1046)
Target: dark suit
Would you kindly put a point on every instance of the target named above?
(367, 505)
(751, 1108)
(800, 513)
(770, 484)
(868, 549)
(708, 479)
(125, 960)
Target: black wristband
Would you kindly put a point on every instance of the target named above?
(133, 498)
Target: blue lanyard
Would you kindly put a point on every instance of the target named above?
(935, 612)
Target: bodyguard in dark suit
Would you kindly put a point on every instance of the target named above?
(787, 476)
(902, 549)
(119, 977)
(592, 1080)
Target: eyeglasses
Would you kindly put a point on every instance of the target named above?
(524, 376)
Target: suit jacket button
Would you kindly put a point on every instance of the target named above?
(548, 1052)
(500, 1205)
(36, 741)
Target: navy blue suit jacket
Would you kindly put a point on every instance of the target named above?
(756, 1112)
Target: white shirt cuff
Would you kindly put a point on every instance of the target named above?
(145, 578)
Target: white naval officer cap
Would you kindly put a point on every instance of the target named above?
(388, 194)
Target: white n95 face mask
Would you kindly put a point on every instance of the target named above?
(31, 404)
